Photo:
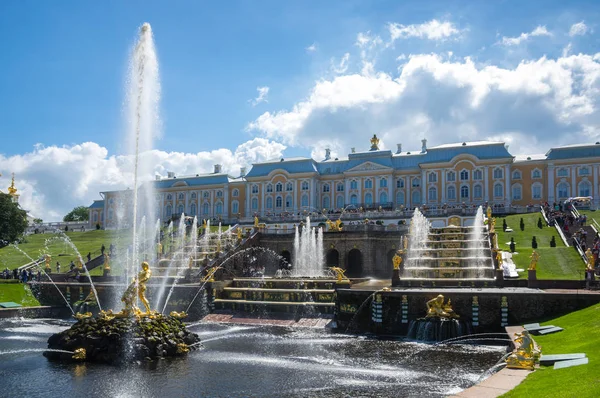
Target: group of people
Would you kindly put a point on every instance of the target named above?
(24, 276)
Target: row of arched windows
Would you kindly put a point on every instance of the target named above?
(205, 194)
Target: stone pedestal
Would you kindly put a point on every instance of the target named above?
(396, 277)
(532, 275)
(499, 278)
(106, 272)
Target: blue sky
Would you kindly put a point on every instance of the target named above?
(335, 75)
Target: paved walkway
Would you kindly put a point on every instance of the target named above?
(243, 319)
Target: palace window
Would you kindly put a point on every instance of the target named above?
(180, 209)
(451, 193)
(584, 171)
(326, 202)
(451, 176)
(368, 184)
(193, 195)
(383, 197)
(464, 192)
(383, 183)
(477, 192)
(400, 183)
(254, 188)
(339, 202)
(498, 191)
(219, 208)
(340, 187)
(279, 202)
(168, 212)
(498, 173)
(269, 203)
(219, 194)
(368, 199)
(416, 197)
(432, 177)
(354, 200)
(235, 193)
(206, 194)
(464, 175)
(169, 197)
(305, 185)
(536, 191)
(304, 200)
(516, 175)
(478, 175)
(181, 196)
(400, 198)
(536, 173)
(269, 187)
(193, 209)
(353, 184)
(416, 182)
(563, 190)
(288, 202)
(235, 207)
(585, 188)
(289, 187)
(562, 172)
(432, 194)
(517, 192)
(254, 204)
(279, 187)
(205, 208)
(326, 187)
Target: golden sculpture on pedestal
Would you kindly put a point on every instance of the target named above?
(79, 265)
(492, 224)
(499, 259)
(239, 233)
(334, 226)
(589, 262)
(436, 308)
(397, 260)
(106, 262)
(79, 354)
(138, 284)
(47, 260)
(339, 273)
(535, 257)
(255, 222)
(489, 212)
(374, 143)
(79, 316)
(525, 355)
(178, 315)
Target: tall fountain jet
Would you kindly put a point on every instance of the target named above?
(308, 251)
(143, 126)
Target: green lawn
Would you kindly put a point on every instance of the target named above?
(580, 335)
(38, 244)
(17, 293)
(560, 262)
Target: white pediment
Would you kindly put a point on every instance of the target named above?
(180, 184)
(368, 166)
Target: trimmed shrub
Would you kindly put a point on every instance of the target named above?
(540, 225)
(553, 242)
(504, 226)
(522, 224)
(534, 244)
(512, 245)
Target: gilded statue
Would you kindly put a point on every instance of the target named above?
(79, 354)
(47, 260)
(436, 308)
(334, 226)
(589, 260)
(525, 355)
(492, 224)
(499, 258)
(128, 298)
(106, 261)
(204, 223)
(339, 273)
(374, 143)
(239, 233)
(255, 222)
(12, 191)
(535, 257)
(79, 264)
(397, 259)
(489, 212)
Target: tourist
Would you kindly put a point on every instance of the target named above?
(39, 275)
(24, 276)
(57, 267)
(102, 249)
(72, 265)
(89, 257)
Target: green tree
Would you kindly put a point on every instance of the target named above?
(80, 213)
(37, 221)
(13, 220)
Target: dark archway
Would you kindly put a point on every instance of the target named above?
(354, 268)
(333, 258)
(286, 260)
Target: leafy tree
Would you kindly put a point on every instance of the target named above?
(522, 224)
(13, 220)
(80, 213)
(534, 244)
(37, 221)
(540, 225)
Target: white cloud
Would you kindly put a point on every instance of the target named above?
(515, 41)
(541, 102)
(578, 29)
(53, 180)
(312, 48)
(432, 30)
(342, 66)
(263, 93)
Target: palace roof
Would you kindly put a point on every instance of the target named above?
(98, 204)
(574, 151)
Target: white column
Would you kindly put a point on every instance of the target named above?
(595, 171)
(346, 191)
(225, 202)
(312, 193)
(390, 181)
(423, 187)
(574, 181)
(359, 183)
(486, 183)
(186, 198)
(247, 198)
(408, 191)
(550, 184)
(263, 198)
(443, 193)
(507, 190)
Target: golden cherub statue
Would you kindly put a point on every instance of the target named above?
(437, 309)
(589, 260)
(334, 226)
(255, 221)
(499, 258)
(535, 257)
(525, 355)
(397, 260)
(128, 298)
(339, 273)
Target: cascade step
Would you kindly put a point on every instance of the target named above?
(275, 303)
(275, 290)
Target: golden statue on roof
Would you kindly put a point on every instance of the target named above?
(374, 143)
(12, 191)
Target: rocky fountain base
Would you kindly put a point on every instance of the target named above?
(121, 340)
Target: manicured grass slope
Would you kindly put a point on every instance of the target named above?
(38, 244)
(558, 262)
(17, 293)
(580, 335)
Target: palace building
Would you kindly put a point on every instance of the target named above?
(461, 174)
